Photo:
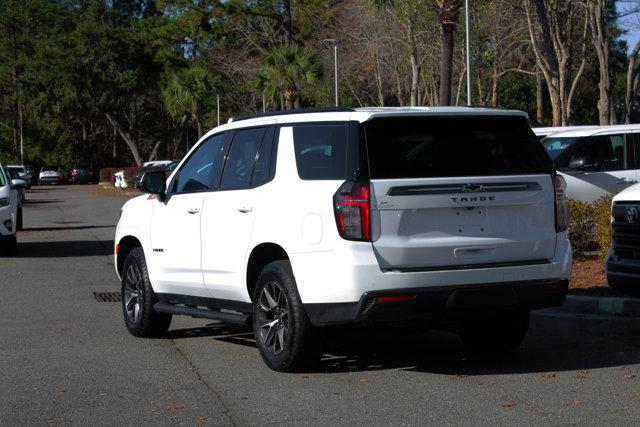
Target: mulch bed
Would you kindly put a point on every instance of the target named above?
(589, 279)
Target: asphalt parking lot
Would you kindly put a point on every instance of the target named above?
(66, 358)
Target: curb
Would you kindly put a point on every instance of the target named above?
(612, 306)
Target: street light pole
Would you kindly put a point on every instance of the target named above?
(334, 42)
(466, 12)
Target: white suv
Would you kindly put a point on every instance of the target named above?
(10, 211)
(447, 217)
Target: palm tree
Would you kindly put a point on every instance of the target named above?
(188, 92)
(448, 13)
(285, 72)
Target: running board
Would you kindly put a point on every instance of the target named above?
(233, 318)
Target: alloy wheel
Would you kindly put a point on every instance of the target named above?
(273, 317)
(133, 293)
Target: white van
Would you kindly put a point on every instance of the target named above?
(596, 162)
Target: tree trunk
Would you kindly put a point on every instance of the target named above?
(600, 39)
(556, 109)
(632, 73)
(539, 100)
(446, 64)
(415, 80)
(131, 143)
(114, 152)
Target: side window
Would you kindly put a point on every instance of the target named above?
(241, 159)
(202, 169)
(598, 154)
(321, 150)
(262, 169)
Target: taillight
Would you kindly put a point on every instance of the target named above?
(351, 205)
(562, 205)
(74, 172)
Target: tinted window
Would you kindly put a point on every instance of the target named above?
(321, 150)
(262, 167)
(3, 180)
(241, 158)
(555, 146)
(49, 168)
(203, 167)
(598, 153)
(429, 147)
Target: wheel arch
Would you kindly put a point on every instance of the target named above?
(125, 245)
(260, 256)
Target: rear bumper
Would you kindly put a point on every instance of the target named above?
(444, 304)
(49, 179)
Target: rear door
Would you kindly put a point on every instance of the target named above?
(458, 192)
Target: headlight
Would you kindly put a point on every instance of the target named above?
(4, 201)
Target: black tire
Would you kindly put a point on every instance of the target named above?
(8, 245)
(138, 299)
(298, 347)
(499, 334)
(19, 220)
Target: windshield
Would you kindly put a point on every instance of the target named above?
(3, 180)
(555, 145)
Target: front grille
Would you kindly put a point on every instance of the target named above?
(625, 230)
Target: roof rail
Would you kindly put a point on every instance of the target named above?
(296, 111)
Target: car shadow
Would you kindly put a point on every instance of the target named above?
(553, 344)
(73, 227)
(64, 249)
(41, 201)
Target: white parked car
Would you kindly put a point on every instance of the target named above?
(119, 181)
(596, 162)
(623, 260)
(51, 174)
(10, 211)
(543, 132)
(23, 172)
(437, 217)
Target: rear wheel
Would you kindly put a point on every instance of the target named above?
(286, 339)
(138, 299)
(499, 334)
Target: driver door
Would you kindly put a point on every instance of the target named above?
(599, 166)
(176, 222)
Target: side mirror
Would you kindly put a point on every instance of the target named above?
(18, 184)
(154, 182)
(583, 164)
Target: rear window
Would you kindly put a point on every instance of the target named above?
(321, 150)
(429, 147)
(83, 166)
(49, 168)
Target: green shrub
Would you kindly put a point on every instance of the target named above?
(602, 219)
(590, 226)
(581, 231)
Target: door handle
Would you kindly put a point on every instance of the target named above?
(245, 209)
(193, 211)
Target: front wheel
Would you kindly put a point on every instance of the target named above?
(138, 299)
(286, 339)
(499, 334)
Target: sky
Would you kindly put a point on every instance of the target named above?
(630, 22)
